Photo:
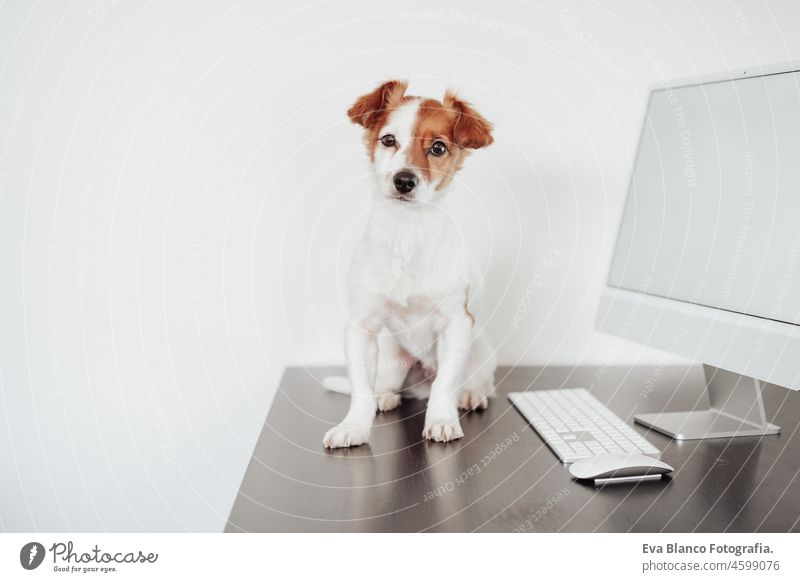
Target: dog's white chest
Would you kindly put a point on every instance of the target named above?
(416, 326)
(413, 276)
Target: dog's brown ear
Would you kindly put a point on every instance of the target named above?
(369, 108)
(471, 129)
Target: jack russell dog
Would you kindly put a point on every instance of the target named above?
(411, 283)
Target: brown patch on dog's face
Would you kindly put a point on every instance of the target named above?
(372, 110)
(453, 123)
(434, 124)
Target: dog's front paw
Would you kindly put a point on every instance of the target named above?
(469, 400)
(387, 401)
(346, 435)
(442, 431)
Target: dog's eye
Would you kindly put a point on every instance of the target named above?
(438, 149)
(388, 140)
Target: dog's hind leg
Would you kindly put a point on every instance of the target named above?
(394, 362)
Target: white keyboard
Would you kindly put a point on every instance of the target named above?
(575, 425)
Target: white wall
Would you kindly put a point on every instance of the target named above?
(180, 191)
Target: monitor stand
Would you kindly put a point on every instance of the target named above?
(736, 410)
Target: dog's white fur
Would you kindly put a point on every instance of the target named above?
(411, 291)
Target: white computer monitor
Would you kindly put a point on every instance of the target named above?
(707, 259)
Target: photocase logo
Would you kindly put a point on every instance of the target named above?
(31, 555)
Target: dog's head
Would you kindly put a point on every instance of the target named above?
(417, 145)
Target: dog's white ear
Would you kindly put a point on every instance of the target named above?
(471, 129)
(370, 108)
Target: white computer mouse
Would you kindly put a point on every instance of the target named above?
(609, 466)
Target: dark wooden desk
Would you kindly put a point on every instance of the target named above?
(501, 476)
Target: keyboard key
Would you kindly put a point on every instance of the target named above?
(595, 447)
(580, 448)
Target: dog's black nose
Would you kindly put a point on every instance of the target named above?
(404, 181)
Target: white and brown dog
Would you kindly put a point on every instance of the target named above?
(411, 285)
